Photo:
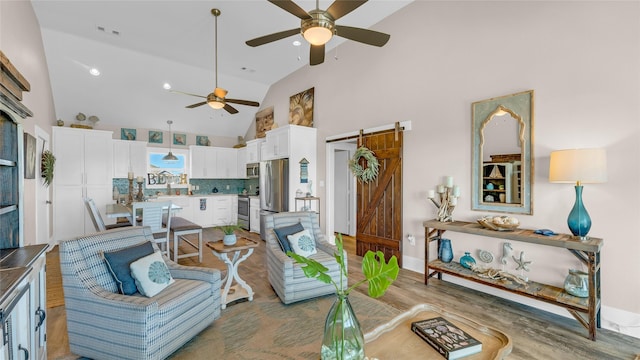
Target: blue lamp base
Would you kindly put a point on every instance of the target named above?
(579, 221)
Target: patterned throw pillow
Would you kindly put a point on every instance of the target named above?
(151, 274)
(283, 232)
(118, 263)
(302, 243)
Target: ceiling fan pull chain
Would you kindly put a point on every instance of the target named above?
(336, 55)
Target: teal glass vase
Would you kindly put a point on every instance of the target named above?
(445, 253)
(343, 338)
(467, 260)
(579, 220)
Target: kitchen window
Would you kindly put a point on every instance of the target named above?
(160, 173)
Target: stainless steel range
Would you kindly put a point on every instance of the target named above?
(243, 211)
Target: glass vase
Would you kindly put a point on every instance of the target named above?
(343, 338)
(445, 253)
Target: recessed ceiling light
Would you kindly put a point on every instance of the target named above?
(166, 86)
(297, 43)
(94, 72)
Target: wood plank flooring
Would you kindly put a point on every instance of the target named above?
(535, 334)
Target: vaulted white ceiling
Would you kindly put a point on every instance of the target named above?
(140, 45)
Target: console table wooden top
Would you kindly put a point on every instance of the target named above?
(565, 241)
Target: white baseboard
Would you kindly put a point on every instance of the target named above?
(618, 320)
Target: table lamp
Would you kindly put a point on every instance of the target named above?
(578, 166)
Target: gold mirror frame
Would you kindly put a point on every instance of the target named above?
(520, 107)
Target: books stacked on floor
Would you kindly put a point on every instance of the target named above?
(446, 338)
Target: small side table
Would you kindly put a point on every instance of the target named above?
(241, 289)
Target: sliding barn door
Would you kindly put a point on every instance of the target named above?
(379, 202)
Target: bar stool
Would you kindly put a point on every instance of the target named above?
(181, 227)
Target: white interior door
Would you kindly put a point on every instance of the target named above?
(44, 230)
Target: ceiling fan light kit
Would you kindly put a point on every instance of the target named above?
(318, 27)
(216, 99)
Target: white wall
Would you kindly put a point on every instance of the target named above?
(582, 59)
(21, 42)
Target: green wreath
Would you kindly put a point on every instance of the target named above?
(371, 172)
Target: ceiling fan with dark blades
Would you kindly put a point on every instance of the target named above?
(318, 27)
(217, 98)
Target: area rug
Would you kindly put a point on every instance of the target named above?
(267, 329)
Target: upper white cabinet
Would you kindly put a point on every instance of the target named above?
(214, 163)
(242, 162)
(253, 150)
(203, 162)
(84, 161)
(227, 167)
(277, 143)
(129, 156)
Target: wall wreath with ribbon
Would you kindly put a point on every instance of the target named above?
(363, 174)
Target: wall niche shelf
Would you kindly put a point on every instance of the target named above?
(585, 310)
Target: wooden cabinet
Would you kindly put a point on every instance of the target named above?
(129, 156)
(254, 215)
(277, 143)
(223, 209)
(185, 203)
(585, 310)
(84, 160)
(253, 150)
(241, 170)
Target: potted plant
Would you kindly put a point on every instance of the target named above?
(343, 338)
(229, 231)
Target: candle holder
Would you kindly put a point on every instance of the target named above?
(130, 199)
(140, 194)
(447, 199)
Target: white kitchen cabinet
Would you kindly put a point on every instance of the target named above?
(186, 204)
(84, 162)
(223, 207)
(254, 215)
(253, 150)
(129, 156)
(277, 143)
(203, 162)
(202, 209)
(227, 167)
(242, 163)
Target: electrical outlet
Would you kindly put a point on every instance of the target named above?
(227, 187)
(412, 239)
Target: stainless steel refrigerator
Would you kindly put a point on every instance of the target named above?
(274, 189)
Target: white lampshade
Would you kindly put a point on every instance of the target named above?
(578, 166)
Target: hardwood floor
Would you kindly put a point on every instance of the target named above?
(535, 334)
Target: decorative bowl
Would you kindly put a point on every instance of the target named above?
(499, 223)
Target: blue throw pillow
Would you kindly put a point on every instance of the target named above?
(118, 263)
(283, 232)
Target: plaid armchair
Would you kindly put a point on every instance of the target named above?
(104, 324)
(285, 275)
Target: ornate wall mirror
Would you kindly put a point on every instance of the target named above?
(502, 156)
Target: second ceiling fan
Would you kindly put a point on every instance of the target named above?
(318, 27)
(217, 98)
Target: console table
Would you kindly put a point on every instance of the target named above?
(585, 310)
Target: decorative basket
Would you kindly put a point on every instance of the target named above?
(487, 222)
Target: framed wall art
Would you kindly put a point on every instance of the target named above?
(179, 139)
(127, 134)
(264, 122)
(301, 108)
(155, 137)
(202, 140)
